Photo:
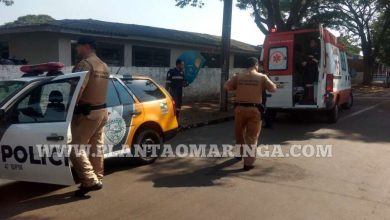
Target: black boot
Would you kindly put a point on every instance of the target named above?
(82, 191)
(248, 168)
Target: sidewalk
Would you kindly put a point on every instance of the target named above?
(198, 114)
(371, 90)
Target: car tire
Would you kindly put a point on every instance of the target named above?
(349, 104)
(333, 114)
(273, 115)
(148, 137)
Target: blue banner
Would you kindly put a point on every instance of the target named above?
(193, 61)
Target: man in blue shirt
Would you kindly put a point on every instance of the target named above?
(175, 83)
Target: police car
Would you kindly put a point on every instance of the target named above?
(36, 112)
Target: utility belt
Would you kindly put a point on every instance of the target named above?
(260, 107)
(86, 109)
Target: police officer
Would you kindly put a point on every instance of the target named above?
(89, 118)
(310, 71)
(267, 116)
(268, 123)
(175, 83)
(249, 86)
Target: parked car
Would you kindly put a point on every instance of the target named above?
(37, 110)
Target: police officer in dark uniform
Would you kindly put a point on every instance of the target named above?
(268, 123)
(310, 71)
(175, 83)
(266, 113)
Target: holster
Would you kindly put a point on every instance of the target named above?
(84, 109)
(262, 109)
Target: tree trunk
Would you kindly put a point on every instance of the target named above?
(367, 59)
(368, 69)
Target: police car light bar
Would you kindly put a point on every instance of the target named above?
(43, 67)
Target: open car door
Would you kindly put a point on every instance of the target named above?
(35, 131)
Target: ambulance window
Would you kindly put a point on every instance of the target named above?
(112, 96)
(277, 59)
(343, 61)
(124, 95)
(46, 103)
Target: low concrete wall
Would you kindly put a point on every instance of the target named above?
(357, 79)
(206, 85)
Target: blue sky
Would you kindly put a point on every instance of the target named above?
(157, 13)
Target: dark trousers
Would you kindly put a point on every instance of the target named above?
(267, 119)
(177, 97)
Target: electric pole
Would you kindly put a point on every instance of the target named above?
(226, 35)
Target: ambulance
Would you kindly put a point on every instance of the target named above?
(310, 69)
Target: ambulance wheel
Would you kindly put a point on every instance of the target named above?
(148, 140)
(333, 114)
(349, 104)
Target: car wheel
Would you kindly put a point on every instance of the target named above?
(349, 104)
(273, 115)
(333, 114)
(149, 143)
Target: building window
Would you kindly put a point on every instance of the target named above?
(151, 57)
(212, 60)
(111, 54)
(4, 50)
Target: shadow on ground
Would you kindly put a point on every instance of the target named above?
(25, 196)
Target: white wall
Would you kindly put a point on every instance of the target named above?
(65, 51)
(205, 86)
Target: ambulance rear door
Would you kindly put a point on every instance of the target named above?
(278, 57)
(35, 131)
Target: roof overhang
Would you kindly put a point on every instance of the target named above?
(117, 36)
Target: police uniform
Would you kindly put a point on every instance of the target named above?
(89, 119)
(175, 83)
(249, 87)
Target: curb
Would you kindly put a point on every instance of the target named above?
(203, 124)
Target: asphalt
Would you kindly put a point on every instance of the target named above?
(353, 184)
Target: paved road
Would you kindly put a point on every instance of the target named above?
(353, 184)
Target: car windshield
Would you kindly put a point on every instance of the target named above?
(8, 88)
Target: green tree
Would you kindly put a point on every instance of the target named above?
(384, 46)
(7, 2)
(358, 17)
(194, 3)
(351, 43)
(31, 19)
(283, 14)
(354, 17)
